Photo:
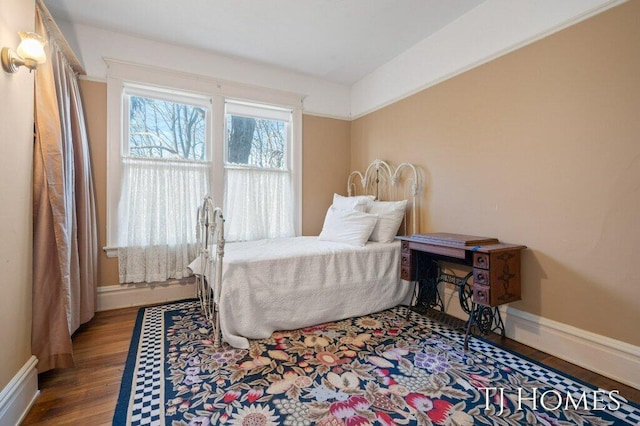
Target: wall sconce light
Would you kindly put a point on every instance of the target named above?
(30, 53)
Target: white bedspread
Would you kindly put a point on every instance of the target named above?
(288, 283)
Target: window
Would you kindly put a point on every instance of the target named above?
(258, 187)
(175, 137)
(164, 129)
(257, 136)
(165, 173)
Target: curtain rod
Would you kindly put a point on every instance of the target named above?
(56, 35)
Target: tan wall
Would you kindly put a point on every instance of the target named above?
(540, 147)
(94, 98)
(325, 167)
(16, 158)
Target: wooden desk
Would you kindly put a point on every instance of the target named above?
(496, 266)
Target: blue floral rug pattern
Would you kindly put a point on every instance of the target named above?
(388, 368)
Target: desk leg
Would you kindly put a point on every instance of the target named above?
(470, 322)
(486, 318)
(465, 292)
(429, 296)
(498, 324)
(427, 277)
(414, 299)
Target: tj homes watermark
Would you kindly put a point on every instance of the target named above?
(552, 399)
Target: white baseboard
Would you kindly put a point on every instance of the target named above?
(126, 295)
(20, 393)
(612, 358)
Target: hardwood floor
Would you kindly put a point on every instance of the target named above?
(87, 393)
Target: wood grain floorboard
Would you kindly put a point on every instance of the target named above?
(87, 394)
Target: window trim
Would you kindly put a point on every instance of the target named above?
(121, 74)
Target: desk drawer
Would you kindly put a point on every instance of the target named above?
(481, 260)
(482, 294)
(405, 273)
(405, 247)
(405, 259)
(481, 277)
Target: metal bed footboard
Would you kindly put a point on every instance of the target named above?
(210, 240)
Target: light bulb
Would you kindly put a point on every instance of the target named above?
(31, 49)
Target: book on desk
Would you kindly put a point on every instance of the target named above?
(456, 240)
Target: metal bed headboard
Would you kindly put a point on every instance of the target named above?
(210, 241)
(382, 180)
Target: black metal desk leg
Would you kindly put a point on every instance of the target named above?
(470, 322)
(486, 319)
(414, 299)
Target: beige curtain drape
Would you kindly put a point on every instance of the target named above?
(65, 248)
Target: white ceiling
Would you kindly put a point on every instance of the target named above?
(336, 40)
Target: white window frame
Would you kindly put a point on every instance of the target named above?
(125, 74)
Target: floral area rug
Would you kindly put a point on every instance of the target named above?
(390, 368)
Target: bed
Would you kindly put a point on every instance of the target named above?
(250, 289)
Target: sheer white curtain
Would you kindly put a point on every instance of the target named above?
(157, 218)
(258, 204)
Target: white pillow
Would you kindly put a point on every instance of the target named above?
(350, 227)
(390, 215)
(361, 203)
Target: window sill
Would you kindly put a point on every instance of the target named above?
(111, 252)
